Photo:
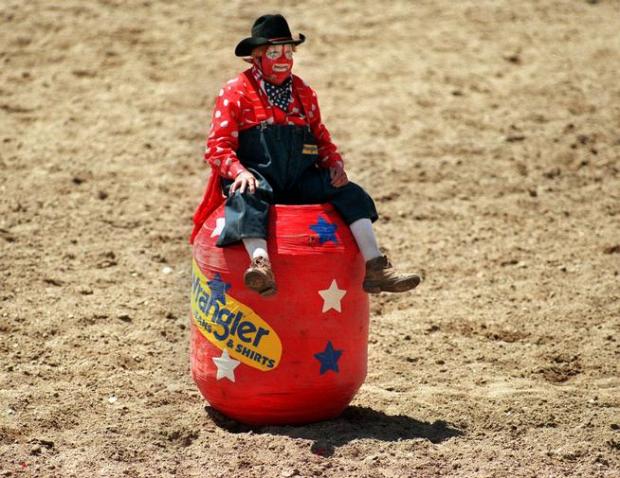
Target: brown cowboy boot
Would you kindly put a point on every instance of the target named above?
(381, 277)
(259, 277)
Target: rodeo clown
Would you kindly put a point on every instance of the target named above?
(268, 145)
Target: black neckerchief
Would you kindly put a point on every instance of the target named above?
(280, 95)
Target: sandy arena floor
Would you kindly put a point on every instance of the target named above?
(488, 133)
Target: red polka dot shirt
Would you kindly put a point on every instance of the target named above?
(243, 103)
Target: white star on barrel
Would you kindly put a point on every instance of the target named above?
(332, 297)
(225, 366)
(219, 226)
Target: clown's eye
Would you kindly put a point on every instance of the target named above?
(288, 51)
(274, 51)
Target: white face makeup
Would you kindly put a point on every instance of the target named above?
(275, 51)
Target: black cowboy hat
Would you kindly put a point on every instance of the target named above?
(268, 30)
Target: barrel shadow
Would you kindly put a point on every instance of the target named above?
(354, 423)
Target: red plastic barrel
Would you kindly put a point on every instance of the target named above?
(298, 356)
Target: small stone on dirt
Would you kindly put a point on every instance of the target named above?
(124, 317)
(289, 473)
(513, 138)
(52, 281)
(612, 249)
(514, 58)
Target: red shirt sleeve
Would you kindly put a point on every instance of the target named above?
(223, 138)
(328, 151)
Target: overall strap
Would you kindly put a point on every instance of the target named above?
(252, 88)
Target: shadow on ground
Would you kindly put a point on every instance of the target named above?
(354, 423)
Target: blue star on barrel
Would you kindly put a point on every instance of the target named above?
(329, 358)
(325, 230)
(218, 288)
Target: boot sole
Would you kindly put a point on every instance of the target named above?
(258, 282)
(401, 286)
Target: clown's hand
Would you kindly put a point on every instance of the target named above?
(244, 180)
(338, 175)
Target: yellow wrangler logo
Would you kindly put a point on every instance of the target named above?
(230, 325)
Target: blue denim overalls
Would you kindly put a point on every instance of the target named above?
(283, 158)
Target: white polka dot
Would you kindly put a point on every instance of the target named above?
(238, 104)
(207, 151)
(310, 114)
(222, 92)
(234, 134)
(228, 162)
(226, 102)
(218, 113)
(217, 162)
(313, 107)
(223, 124)
(219, 149)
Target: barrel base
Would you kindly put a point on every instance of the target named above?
(285, 409)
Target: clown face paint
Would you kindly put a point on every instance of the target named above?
(277, 63)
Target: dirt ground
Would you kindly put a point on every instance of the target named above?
(487, 131)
